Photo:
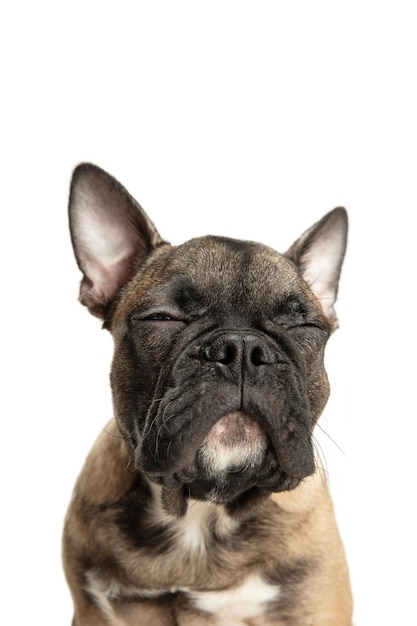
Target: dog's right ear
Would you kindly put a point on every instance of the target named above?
(110, 232)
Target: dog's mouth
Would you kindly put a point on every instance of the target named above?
(236, 457)
(230, 461)
(235, 463)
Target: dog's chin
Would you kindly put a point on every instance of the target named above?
(235, 463)
(236, 443)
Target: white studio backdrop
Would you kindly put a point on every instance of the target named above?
(248, 119)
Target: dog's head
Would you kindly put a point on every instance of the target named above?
(217, 375)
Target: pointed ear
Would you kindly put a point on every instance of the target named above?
(110, 235)
(319, 255)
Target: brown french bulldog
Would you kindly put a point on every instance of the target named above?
(203, 502)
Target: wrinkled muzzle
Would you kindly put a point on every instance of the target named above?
(221, 374)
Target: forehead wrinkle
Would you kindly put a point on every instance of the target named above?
(240, 271)
(209, 261)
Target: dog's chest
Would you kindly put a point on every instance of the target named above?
(233, 606)
(230, 597)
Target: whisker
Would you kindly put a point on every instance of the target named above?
(169, 448)
(323, 467)
(331, 439)
(126, 437)
(130, 463)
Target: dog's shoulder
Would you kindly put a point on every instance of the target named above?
(107, 473)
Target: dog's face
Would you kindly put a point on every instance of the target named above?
(217, 375)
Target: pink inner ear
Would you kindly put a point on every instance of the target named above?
(321, 267)
(110, 233)
(106, 248)
(104, 234)
(105, 281)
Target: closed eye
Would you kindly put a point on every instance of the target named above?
(180, 317)
(158, 315)
(290, 324)
(161, 317)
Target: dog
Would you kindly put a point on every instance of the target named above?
(203, 502)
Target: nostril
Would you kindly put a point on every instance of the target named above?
(220, 352)
(228, 354)
(257, 356)
(261, 355)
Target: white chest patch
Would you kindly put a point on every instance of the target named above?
(197, 522)
(233, 606)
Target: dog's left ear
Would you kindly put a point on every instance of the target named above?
(319, 255)
(111, 234)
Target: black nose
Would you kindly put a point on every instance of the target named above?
(239, 352)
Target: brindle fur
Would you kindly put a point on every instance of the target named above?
(128, 555)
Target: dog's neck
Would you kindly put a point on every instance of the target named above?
(201, 520)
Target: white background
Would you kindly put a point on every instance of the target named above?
(249, 119)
